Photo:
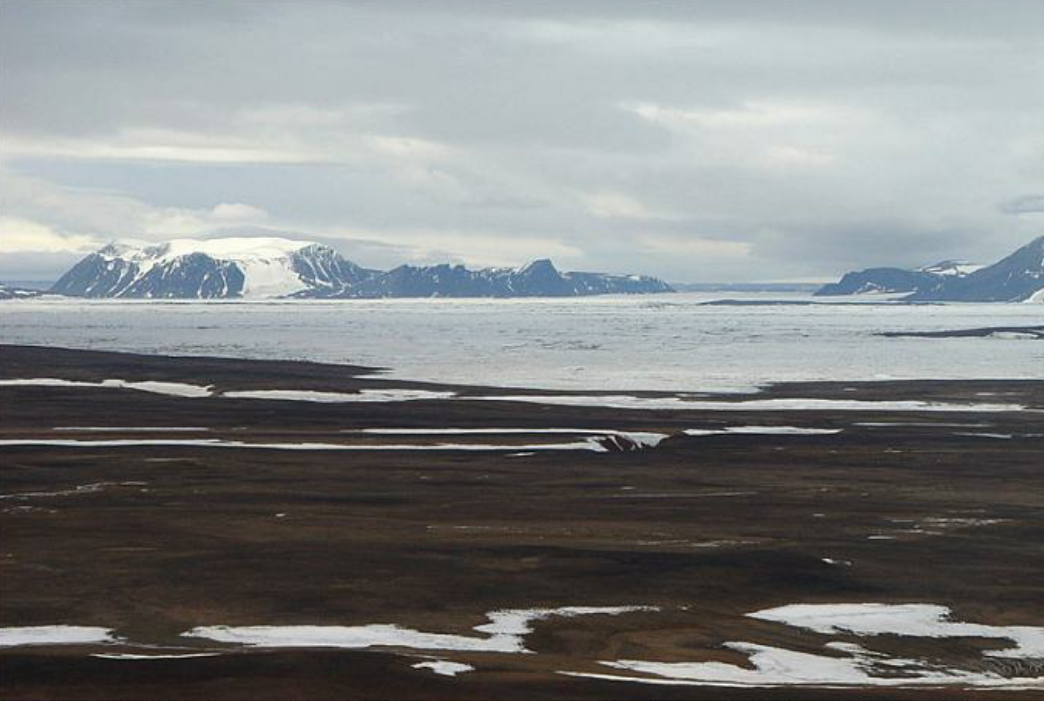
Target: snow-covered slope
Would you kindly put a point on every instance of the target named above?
(266, 264)
(275, 267)
(955, 268)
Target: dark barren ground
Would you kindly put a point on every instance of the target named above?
(706, 528)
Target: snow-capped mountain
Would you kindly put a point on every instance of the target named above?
(1018, 277)
(275, 267)
(218, 268)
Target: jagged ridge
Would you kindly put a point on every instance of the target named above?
(272, 267)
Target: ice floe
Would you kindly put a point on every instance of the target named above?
(443, 667)
(363, 395)
(174, 389)
(505, 631)
(622, 401)
(54, 635)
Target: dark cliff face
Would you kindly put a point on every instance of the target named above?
(195, 275)
(541, 279)
(1013, 279)
(96, 276)
(327, 273)
(878, 280)
(192, 276)
(599, 284)
(316, 271)
(538, 279)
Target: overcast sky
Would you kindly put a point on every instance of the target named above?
(696, 141)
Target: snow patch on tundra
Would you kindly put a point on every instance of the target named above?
(54, 635)
(778, 667)
(506, 632)
(363, 395)
(622, 401)
(593, 444)
(922, 620)
(174, 389)
(762, 430)
(443, 667)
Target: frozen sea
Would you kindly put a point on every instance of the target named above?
(651, 342)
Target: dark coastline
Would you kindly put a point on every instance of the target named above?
(434, 540)
(1034, 332)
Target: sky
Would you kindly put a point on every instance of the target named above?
(695, 141)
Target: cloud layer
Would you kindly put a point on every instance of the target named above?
(697, 141)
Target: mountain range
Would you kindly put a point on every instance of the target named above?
(282, 268)
(1018, 277)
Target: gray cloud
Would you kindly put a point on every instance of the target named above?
(1027, 204)
(693, 140)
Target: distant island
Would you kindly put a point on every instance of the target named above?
(231, 268)
(1018, 277)
(12, 292)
